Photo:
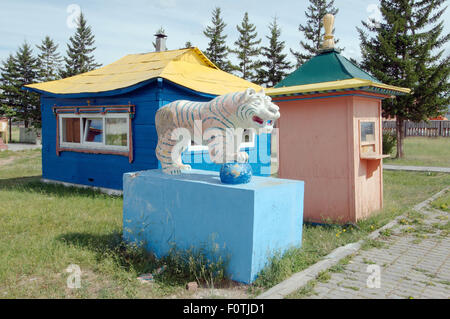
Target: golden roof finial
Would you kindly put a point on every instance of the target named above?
(328, 38)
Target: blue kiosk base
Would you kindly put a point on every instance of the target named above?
(246, 224)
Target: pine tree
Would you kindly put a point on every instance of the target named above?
(79, 58)
(406, 51)
(9, 87)
(187, 45)
(49, 60)
(217, 50)
(313, 29)
(18, 71)
(274, 66)
(246, 49)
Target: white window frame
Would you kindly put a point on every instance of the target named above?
(93, 145)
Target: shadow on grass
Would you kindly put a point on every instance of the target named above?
(8, 183)
(180, 266)
(32, 184)
(111, 246)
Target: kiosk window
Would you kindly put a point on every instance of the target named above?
(367, 132)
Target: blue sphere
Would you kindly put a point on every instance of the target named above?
(236, 173)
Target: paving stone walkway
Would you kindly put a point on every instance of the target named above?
(21, 147)
(410, 260)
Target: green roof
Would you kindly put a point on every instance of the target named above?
(325, 67)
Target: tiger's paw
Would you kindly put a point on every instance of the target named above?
(172, 170)
(176, 169)
(242, 157)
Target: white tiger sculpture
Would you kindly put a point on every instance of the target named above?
(218, 117)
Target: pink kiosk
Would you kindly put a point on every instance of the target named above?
(330, 135)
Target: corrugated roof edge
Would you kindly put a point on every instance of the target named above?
(118, 91)
(324, 87)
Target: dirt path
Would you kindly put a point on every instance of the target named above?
(6, 161)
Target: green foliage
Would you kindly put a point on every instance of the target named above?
(389, 142)
(323, 276)
(202, 265)
(306, 291)
(8, 87)
(406, 51)
(313, 30)
(247, 49)
(274, 65)
(79, 58)
(17, 71)
(217, 49)
(49, 60)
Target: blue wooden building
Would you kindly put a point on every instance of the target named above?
(98, 125)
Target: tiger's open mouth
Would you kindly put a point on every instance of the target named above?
(258, 120)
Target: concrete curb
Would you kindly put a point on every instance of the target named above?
(108, 191)
(300, 279)
(416, 168)
(421, 205)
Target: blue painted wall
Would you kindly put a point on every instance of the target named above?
(103, 170)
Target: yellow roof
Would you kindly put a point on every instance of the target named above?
(354, 83)
(187, 67)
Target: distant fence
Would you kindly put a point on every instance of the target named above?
(430, 129)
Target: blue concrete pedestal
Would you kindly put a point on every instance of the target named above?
(246, 224)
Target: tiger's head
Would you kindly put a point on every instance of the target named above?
(257, 111)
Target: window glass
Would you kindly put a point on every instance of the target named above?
(116, 131)
(367, 131)
(71, 130)
(93, 130)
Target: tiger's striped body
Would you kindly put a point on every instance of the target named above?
(215, 119)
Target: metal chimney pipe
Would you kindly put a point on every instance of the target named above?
(160, 42)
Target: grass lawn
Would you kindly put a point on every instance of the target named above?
(423, 151)
(45, 228)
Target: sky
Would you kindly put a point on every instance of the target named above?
(124, 27)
